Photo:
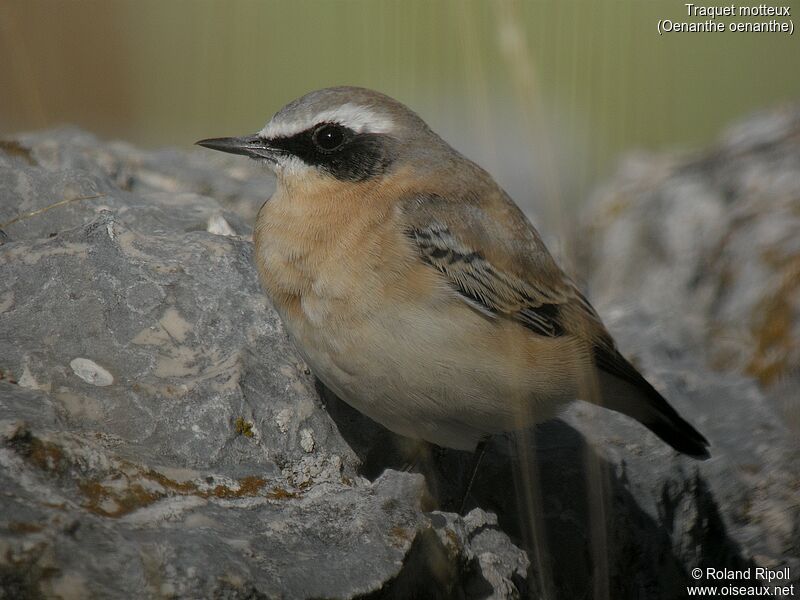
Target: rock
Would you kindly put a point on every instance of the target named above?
(737, 510)
(165, 191)
(158, 435)
(709, 243)
(693, 263)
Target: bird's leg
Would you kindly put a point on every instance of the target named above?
(480, 450)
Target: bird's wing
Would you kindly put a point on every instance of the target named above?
(491, 255)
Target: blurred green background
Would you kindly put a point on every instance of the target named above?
(545, 94)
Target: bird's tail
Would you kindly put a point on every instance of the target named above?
(624, 390)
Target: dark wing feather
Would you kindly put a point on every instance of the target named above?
(452, 237)
(485, 287)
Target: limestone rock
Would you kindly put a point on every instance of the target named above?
(159, 437)
(710, 245)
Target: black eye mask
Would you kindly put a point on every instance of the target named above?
(338, 150)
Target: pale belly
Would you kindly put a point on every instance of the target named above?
(438, 372)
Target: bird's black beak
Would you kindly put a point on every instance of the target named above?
(249, 145)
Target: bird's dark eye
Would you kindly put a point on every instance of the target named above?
(329, 137)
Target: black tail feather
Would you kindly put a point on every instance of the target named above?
(625, 390)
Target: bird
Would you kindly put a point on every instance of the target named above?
(416, 289)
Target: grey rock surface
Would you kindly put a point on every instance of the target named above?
(692, 260)
(710, 243)
(159, 436)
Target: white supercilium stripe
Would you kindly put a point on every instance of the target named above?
(357, 118)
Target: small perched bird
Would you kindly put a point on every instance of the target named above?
(415, 288)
